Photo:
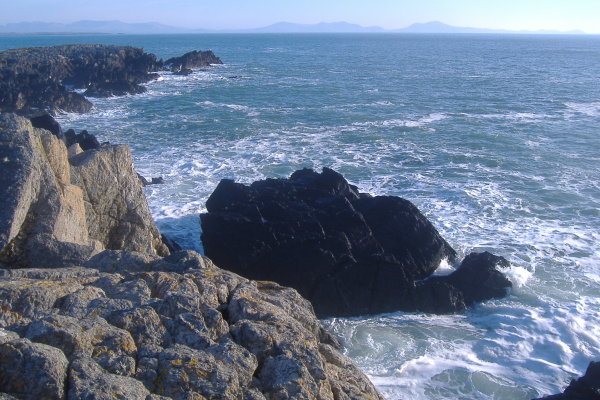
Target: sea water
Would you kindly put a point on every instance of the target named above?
(495, 138)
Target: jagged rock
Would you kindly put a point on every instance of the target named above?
(345, 251)
(158, 180)
(48, 220)
(32, 371)
(193, 59)
(41, 78)
(43, 213)
(189, 330)
(585, 388)
(115, 206)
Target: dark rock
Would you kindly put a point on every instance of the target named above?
(42, 78)
(182, 71)
(110, 89)
(170, 243)
(86, 140)
(45, 121)
(347, 252)
(143, 180)
(193, 59)
(38, 78)
(158, 180)
(585, 388)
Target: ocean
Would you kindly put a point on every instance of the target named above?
(496, 138)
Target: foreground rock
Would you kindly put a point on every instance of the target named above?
(60, 211)
(42, 78)
(118, 324)
(585, 388)
(347, 252)
(132, 326)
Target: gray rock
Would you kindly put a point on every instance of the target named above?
(87, 380)
(200, 333)
(39, 202)
(32, 370)
(116, 209)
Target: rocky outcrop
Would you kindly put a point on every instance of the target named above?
(42, 78)
(131, 326)
(347, 252)
(194, 59)
(585, 388)
(59, 211)
(117, 213)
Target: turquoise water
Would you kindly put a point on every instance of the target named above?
(495, 138)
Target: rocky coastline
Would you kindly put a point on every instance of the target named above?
(94, 306)
(38, 79)
(96, 303)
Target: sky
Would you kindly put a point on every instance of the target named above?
(390, 14)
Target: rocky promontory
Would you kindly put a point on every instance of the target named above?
(44, 78)
(93, 307)
(347, 252)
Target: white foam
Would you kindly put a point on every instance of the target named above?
(590, 109)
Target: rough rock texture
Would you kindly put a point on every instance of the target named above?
(585, 388)
(116, 209)
(53, 214)
(194, 59)
(135, 327)
(345, 251)
(41, 78)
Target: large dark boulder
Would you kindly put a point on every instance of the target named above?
(585, 388)
(347, 252)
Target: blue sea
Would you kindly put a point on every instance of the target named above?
(495, 138)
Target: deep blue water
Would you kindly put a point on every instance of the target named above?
(495, 138)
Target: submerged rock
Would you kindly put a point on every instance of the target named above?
(347, 252)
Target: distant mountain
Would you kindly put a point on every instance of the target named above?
(323, 27)
(440, 27)
(280, 27)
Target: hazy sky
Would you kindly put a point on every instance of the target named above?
(235, 14)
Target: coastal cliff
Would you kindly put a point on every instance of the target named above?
(91, 309)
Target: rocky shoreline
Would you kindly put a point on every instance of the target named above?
(96, 303)
(92, 308)
(39, 79)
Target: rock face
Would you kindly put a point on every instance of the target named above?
(347, 252)
(55, 211)
(194, 59)
(585, 388)
(41, 78)
(126, 326)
